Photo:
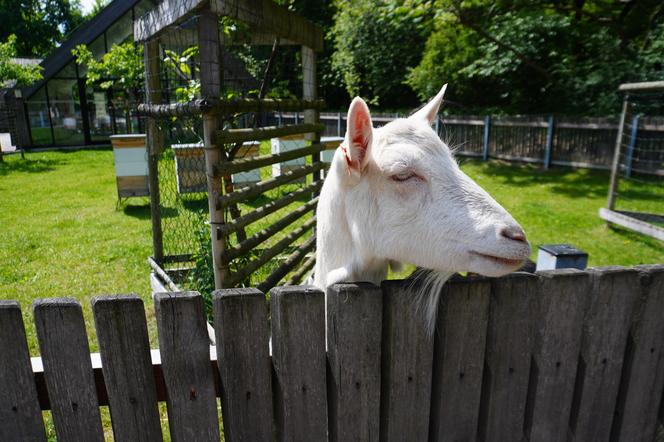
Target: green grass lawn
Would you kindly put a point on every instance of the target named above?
(61, 234)
(561, 205)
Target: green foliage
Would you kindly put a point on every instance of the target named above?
(545, 57)
(97, 6)
(201, 276)
(23, 75)
(375, 44)
(186, 71)
(39, 25)
(121, 68)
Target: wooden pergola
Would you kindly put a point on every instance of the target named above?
(270, 24)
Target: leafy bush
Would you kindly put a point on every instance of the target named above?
(375, 45)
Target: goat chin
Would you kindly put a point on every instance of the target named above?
(426, 287)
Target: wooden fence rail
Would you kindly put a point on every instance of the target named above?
(562, 355)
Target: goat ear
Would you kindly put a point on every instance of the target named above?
(358, 135)
(430, 111)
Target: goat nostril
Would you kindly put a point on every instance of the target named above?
(513, 233)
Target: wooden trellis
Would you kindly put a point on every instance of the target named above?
(269, 23)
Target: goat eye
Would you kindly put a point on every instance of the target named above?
(405, 176)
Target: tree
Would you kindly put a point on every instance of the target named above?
(39, 25)
(120, 69)
(540, 57)
(375, 45)
(14, 74)
(97, 6)
(11, 72)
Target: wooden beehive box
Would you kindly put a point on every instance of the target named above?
(131, 165)
(190, 167)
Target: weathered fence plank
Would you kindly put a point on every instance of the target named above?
(606, 325)
(459, 360)
(20, 414)
(242, 335)
(298, 356)
(643, 373)
(407, 358)
(67, 369)
(125, 354)
(353, 342)
(508, 357)
(185, 359)
(562, 299)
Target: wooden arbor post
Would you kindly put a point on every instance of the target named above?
(155, 144)
(310, 92)
(208, 41)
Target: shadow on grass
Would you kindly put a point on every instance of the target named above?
(644, 240)
(29, 166)
(143, 211)
(572, 183)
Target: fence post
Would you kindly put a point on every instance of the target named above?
(549, 143)
(339, 124)
(279, 119)
(437, 125)
(310, 92)
(155, 145)
(297, 117)
(631, 145)
(487, 131)
(208, 38)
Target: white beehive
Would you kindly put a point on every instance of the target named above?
(190, 167)
(131, 165)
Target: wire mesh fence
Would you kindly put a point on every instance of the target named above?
(636, 191)
(640, 175)
(213, 78)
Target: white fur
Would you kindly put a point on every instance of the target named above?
(437, 218)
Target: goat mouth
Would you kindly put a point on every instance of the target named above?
(508, 262)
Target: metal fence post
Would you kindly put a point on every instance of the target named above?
(549, 143)
(297, 117)
(437, 125)
(279, 119)
(339, 124)
(631, 145)
(487, 131)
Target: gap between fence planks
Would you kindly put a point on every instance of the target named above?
(268, 208)
(268, 232)
(269, 184)
(271, 252)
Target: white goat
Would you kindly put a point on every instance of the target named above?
(396, 195)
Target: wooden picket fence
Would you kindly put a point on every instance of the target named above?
(562, 355)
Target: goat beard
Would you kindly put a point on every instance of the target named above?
(426, 286)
